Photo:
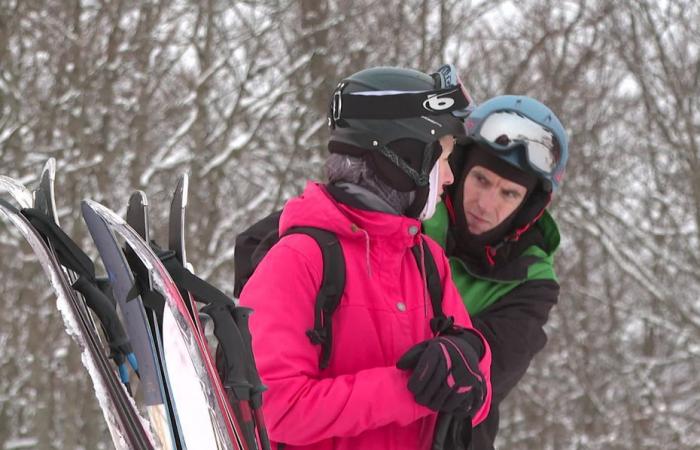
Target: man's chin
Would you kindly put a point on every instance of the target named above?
(478, 231)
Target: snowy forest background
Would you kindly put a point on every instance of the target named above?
(129, 94)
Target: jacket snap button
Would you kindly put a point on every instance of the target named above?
(401, 306)
(413, 230)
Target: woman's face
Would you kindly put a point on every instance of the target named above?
(445, 175)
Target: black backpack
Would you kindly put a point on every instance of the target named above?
(254, 243)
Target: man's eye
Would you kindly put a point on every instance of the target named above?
(512, 195)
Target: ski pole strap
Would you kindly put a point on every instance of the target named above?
(332, 287)
(150, 298)
(68, 253)
(240, 372)
(104, 285)
(106, 312)
(185, 280)
(97, 293)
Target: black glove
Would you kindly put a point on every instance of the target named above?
(446, 375)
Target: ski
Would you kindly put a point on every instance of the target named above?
(176, 240)
(123, 420)
(137, 218)
(43, 216)
(44, 200)
(21, 195)
(245, 392)
(199, 398)
(151, 381)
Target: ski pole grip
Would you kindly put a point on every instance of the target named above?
(233, 347)
(106, 312)
(442, 427)
(241, 315)
(452, 432)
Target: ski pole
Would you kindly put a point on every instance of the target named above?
(241, 316)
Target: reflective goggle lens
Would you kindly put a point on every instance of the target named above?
(506, 128)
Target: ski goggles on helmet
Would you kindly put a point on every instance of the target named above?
(447, 77)
(448, 96)
(507, 130)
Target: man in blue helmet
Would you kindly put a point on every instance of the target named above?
(499, 237)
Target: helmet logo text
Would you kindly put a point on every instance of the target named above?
(440, 102)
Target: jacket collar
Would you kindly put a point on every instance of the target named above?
(510, 263)
(316, 207)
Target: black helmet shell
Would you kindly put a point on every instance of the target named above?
(369, 133)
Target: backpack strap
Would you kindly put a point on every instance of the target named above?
(333, 286)
(331, 290)
(439, 322)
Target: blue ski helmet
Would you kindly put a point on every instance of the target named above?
(523, 132)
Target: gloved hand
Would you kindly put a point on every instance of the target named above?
(446, 375)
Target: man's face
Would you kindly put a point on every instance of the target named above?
(446, 177)
(489, 199)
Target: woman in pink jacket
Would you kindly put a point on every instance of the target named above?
(389, 373)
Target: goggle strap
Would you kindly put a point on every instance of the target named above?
(398, 106)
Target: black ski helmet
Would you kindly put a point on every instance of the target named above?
(393, 117)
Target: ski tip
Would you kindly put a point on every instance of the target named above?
(105, 213)
(139, 196)
(85, 207)
(49, 168)
(18, 191)
(185, 188)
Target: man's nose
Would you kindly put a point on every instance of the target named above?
(487, 198)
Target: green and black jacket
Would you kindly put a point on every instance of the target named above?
(508, 301)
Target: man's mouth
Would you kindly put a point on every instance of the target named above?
(476, 219)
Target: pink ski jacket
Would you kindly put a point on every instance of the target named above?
(361, 401)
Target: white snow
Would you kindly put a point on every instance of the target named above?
(25, 442)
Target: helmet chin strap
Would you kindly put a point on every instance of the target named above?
(433, 197)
